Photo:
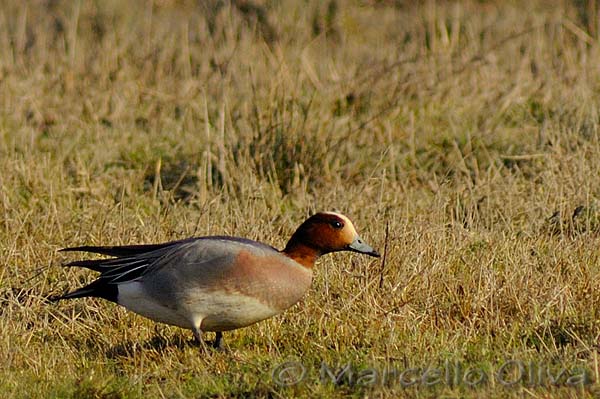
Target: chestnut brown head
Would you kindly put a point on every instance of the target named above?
(327, 232)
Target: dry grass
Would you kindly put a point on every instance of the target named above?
(471, 129)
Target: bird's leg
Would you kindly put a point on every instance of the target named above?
(198, 335)
(218, 344)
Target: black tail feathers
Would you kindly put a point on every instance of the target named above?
(98, 289)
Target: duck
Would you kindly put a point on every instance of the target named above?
(215, 283)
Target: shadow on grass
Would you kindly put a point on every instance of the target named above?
(158, 343)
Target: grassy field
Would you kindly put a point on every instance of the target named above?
(463, 139)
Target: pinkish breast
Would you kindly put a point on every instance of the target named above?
(274, 280)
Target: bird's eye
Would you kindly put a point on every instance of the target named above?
(336, 224)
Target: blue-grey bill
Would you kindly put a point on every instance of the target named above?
(358, 245)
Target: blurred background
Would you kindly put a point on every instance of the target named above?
(461, 137)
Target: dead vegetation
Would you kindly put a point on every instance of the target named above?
(469, 128)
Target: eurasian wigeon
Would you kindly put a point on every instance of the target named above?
(216, 283)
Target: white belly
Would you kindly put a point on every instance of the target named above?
(210, 310)
(134, 298)
(222, 311)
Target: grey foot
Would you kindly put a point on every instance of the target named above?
(218, 343)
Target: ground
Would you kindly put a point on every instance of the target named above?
(462, 138)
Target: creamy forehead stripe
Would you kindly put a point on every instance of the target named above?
(346, 220)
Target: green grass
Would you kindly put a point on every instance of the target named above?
(469, 129)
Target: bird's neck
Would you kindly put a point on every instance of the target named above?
(302, 253)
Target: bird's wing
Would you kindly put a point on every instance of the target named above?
(131, 262)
